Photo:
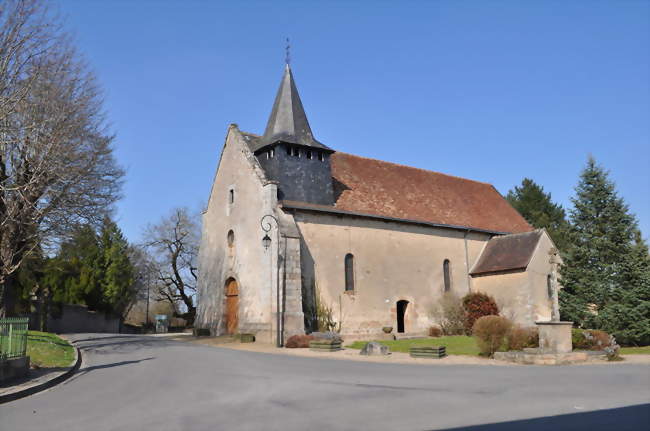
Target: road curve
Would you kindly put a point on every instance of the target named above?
(130, 382)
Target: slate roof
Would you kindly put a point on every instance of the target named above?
(507, 253)
(288, 121)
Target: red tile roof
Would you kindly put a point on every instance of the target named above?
(385, 189)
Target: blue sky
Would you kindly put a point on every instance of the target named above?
(489, 90)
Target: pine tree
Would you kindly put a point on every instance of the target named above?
(118, 276)
(93, 269)
(606, 271)
(540, 211)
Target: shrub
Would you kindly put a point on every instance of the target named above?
(579, 341)
(519, 338)
(490, 332)
(450, 314)
(298, 341)
(598, 339)
(325, 316)
(435, 331)
(612, 350)
(477, 305)
(590, 339)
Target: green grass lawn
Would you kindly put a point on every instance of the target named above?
(643, 350)
(456, 344)
(47, 350)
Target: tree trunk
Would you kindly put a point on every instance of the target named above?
(8, 300)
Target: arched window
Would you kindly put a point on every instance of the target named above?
(231, 196)
(446, 275)
(231, 238)
(549, 285)
(349, 273)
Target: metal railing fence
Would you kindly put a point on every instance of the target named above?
(13, 337)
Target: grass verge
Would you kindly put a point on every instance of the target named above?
(455, 344)
(643, 350)
(47, 350)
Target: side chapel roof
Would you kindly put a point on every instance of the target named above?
(507, 253)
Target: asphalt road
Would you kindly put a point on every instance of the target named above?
(145, 383)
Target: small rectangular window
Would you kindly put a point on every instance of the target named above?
(321, 156)
(289, 150)
(309, 154)
(231, 197)
(446, 272)
(349, 272)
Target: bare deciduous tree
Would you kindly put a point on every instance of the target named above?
(145, 275)
(174, 243)
(56, 159)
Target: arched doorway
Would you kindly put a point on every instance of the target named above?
(401, 312)
(232, 306)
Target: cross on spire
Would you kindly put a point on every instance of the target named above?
(287, 58)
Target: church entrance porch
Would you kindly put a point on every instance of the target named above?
(401, 312)
(232, 306)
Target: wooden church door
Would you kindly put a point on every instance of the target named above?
(232, 307)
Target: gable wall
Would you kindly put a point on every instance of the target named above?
(393, 261)
(247, 261)
(538, 270)
(522, 296)
(511, 291)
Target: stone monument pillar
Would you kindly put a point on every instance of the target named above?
(554, 335)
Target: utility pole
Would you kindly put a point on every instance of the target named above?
(147, 314)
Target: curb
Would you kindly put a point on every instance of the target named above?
(45, 385)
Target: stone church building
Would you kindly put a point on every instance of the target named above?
(291, 222)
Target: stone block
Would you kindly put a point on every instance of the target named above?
(374, 348)
(246, 338)
(555, 337)
(537, 358)
(435, 352)
(326, 335)
(325, 345)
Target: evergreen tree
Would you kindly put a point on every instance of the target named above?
(118, 275)
(93, 269)
(71, 275)
(540, 211)
(606, 271)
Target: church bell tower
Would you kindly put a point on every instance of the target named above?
(289, 153)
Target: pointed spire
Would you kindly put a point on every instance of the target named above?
(288, 121)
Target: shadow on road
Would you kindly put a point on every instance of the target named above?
(114, 364)
(121, 344)
(104, 338)
(619, 419)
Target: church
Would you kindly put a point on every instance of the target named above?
(295, 231)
